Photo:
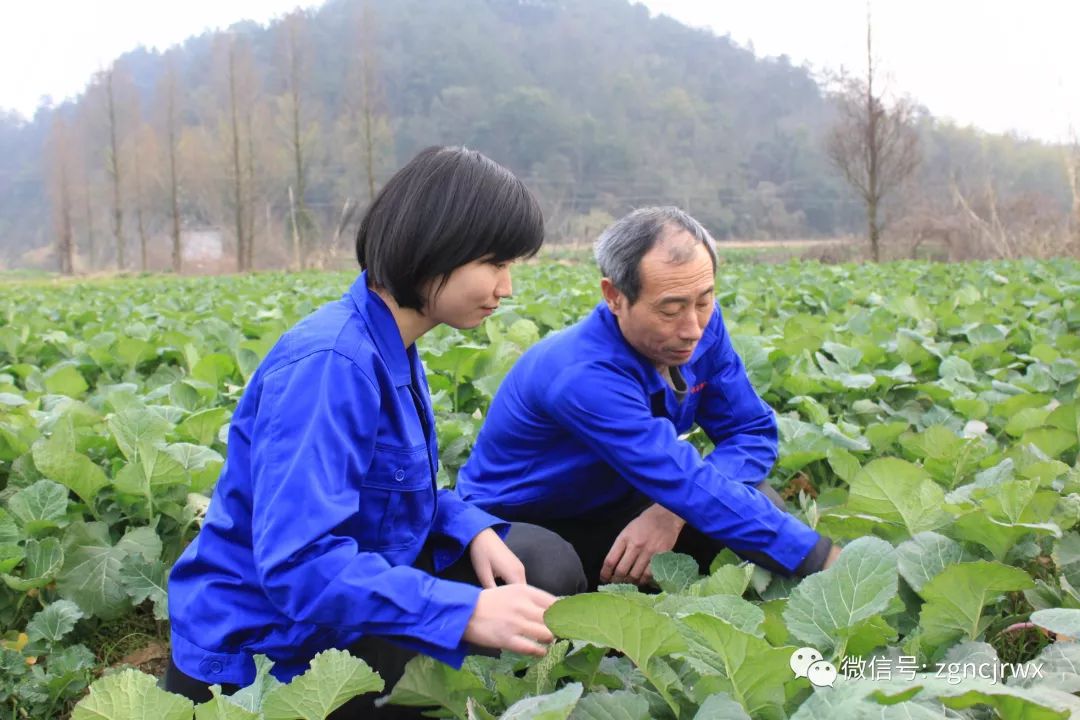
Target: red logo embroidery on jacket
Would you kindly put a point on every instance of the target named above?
(699, 387)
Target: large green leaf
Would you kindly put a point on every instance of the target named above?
(335, 677)
(44, 559)
(430, 683)
(843, 463)
(202, 427)
(92, 575)
(54, 622)
(65, 379)
(755, 671)
(146, 580)
(10, 557)
(220, 708)
(1066, 557)
(136, 429)
(153, 470)
(40, 507)
(800, 444)
(674, 572)
(128, 695)
(619, 705)
(133, 351)
(620, 623)
(882, 435)
(615, 622)
(720, 706)
(1057, 667)
(827, 606)
(956, 368)
(251, 697)
(898, 492)
(848, 699)
(925, 555)
(1063, 621)
(553, 706)
(1014, 703)
(214, 369)
(724, 580)
(541, 675)
(57, 459)
(193, 457)
(1053, 441)
(475, 711)
(9, 529)
(955, 599)
(739, 613)
(1008, 512)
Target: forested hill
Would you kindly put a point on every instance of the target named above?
(598, 105)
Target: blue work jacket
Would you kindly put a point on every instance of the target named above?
(582, 420)
(326, 499)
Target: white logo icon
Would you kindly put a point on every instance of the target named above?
(802, 659)
(821, 673)
(807, 662)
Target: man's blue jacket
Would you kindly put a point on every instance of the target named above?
(583, 419)
(325, 501)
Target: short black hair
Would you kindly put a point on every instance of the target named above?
(447, 207)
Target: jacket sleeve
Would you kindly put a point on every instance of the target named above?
(603, 406)
(456, 523)
(313, 438)
(739, 423)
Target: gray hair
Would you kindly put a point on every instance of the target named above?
(621, 246)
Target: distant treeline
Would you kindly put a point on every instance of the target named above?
(275, 136)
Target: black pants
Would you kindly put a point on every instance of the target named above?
(593, 537)
(550, 564)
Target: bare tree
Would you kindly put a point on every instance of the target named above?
(144, 150)
(244, 88)
(1072, 168)
(237, 175)
(85, 139)
(167, 91)
(60, 156)
(1012, 225)
(369, 93)
(91, 239)
(112, 166)
(874, 146)
(250, 177)
(295, 46)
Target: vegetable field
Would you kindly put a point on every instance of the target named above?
(929, 422)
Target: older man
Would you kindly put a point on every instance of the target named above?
(583, 436)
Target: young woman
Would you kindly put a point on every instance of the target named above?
(326, 529)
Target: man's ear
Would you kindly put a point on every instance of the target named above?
(612, 296)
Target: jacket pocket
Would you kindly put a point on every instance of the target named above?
(397, 499)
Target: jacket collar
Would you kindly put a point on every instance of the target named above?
(384, 331)
(607, 326)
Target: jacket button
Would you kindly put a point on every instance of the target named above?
(399, 475)
(215, 667)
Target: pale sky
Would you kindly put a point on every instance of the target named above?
(999, 64)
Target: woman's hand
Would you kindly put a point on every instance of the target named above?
(492, 560)
(511, 617)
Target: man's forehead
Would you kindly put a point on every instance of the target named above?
(666, 278)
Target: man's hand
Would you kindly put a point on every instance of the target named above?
(511, 617)
(492, 559)
(653, 531)
(834, 553)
